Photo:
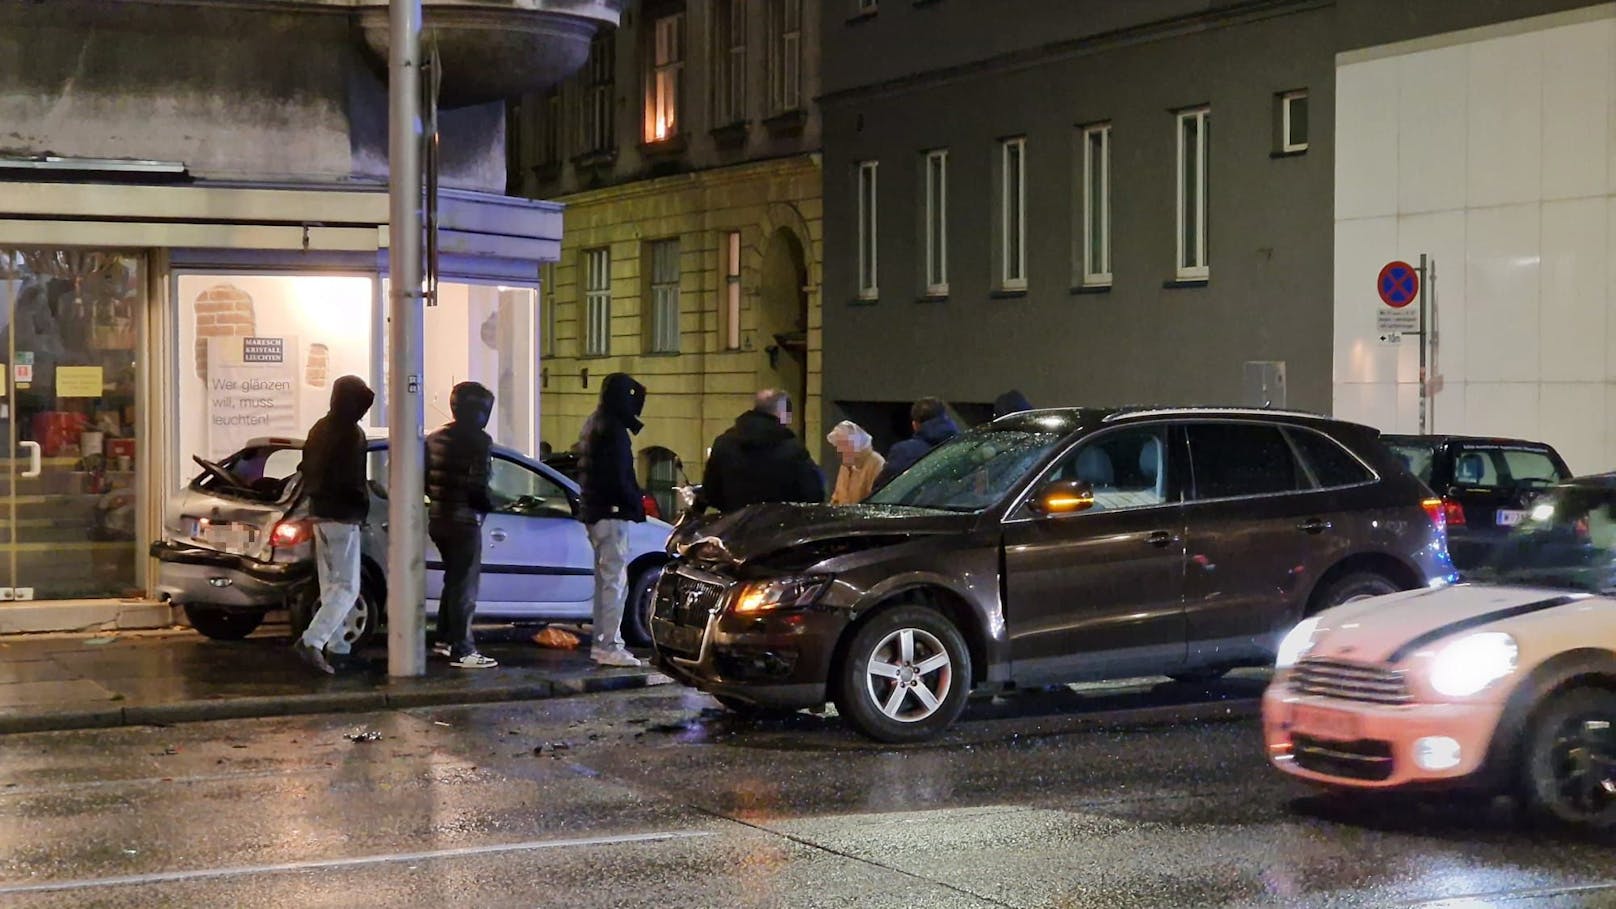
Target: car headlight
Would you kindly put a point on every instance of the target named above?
(1295, 645)
(1471, 663)
(783, 593)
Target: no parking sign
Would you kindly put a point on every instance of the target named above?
(1398, 285)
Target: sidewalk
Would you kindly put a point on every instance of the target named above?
(50, 682)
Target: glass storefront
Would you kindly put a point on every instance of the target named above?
(70, 342)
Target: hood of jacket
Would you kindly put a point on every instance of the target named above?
(755, 430)
(1010, 402)
(472, 404)
(624, 398)
(351, 399)
(854, 434)
(937, 430)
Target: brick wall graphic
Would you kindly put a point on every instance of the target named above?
(222, 311)
(317, 366)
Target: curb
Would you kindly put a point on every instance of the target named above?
(256, 707)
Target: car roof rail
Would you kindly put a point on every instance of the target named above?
(1213, 410)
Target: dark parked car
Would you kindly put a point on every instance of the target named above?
(1046, 547)
(1487, 486)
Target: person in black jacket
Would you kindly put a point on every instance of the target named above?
(334, 480)
(932, 425)
(610, 500)
(760, 459)
(457, 468)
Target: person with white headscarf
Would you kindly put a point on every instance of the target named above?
(860, 463)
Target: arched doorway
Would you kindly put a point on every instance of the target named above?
(783, 321)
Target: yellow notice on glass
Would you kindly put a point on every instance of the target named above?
(78, 382)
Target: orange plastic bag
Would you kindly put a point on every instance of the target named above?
(556, 639)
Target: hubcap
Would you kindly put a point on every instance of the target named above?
(909, 674)
(1583, 758)
(358, 620)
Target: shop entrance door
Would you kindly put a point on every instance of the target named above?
(69, 342)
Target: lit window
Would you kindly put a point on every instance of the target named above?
(547, 287)
(729, 62)
(665, 297)
(1192, 177)
(868, 289)
(1013, 214)
(1293, 122)
(668, 64)
(937, 222)
(596, 127)
(785, 55)
(597, 302)
(732, 290)
(1097, 205)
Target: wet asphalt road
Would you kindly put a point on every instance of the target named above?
(1145, 796)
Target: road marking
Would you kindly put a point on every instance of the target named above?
(168, 877)
(1455, 902)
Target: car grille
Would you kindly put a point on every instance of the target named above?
(685, 598)
(1361, 760)
(1350, 682)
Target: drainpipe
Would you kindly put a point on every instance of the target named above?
(406, 518)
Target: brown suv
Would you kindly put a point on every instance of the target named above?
(1046, 547)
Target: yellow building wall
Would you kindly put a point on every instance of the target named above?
(693, 396)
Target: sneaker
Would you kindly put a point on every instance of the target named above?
(620, 658)
(313, 656)
(441, 650)
(474, 661)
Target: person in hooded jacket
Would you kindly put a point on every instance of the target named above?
(334, 480)
(932, 426)
(457, 468)
(1010, 402)
(860, 463)
(610, 500)
(759, 459)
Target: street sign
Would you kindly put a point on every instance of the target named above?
(1391, 338)
(1398, 285)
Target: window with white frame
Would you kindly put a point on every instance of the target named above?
(729, 62)
(547, 302)
(936, 215)
(667, 77)
(597, 302)
(867, 273)
(664, 337)
(732, 290)
(1293, 122)
(1192, 194)
(1013, 214)
(597, 130)
(1097, 205)
(864, 6)
(785, 55)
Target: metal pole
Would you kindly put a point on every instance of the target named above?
(1425, 337)
(406, 614)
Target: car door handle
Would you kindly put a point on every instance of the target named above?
(1314, 526)
(1161, 539)
(497, 536)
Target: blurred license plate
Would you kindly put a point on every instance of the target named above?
(229, 537)
(1324, 723)
(678, 638)
(1509, 518)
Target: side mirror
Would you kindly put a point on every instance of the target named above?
(1062, 497)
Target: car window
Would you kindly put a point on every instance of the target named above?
(1531, 466)
(970, 472)
(1417, 458)
(1126, 468)
(1331, 465)
(1229, 460)
(518, 489)
(1476, 467)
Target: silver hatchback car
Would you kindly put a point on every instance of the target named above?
(237, 543)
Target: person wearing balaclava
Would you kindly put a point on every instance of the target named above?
(339, 502)
(457, 469)
(860, 463)
(609, 501)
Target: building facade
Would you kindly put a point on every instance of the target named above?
(686, 154)
(1110, 203)
(193, 246)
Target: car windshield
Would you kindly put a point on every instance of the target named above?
(1569, 541)
(1417, 458)
(971, 472)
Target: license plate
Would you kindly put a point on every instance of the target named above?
(1509, 517)
(677, 638)
(229, 537)
(1324, 723)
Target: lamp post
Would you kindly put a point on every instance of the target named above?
(406, 614)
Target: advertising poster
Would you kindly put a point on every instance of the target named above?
(252, 391)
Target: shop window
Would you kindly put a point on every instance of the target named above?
(486, 334)
(664, 314)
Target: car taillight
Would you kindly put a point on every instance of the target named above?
(1453, 512)
(1435, 510)
(290, 533)
(652, 510)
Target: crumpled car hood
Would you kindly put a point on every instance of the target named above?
(765, 529)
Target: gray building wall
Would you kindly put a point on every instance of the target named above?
(963, 75)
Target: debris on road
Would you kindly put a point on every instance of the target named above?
(371, 736)
(556, 639)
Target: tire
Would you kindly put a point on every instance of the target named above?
(222, 624)
(752, 711)
(636, 625)
(362, 622)
(1349, 588)
(1568, 761)
(872, 701)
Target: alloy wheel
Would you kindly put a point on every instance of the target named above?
(1583, 762)
(909, 675)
